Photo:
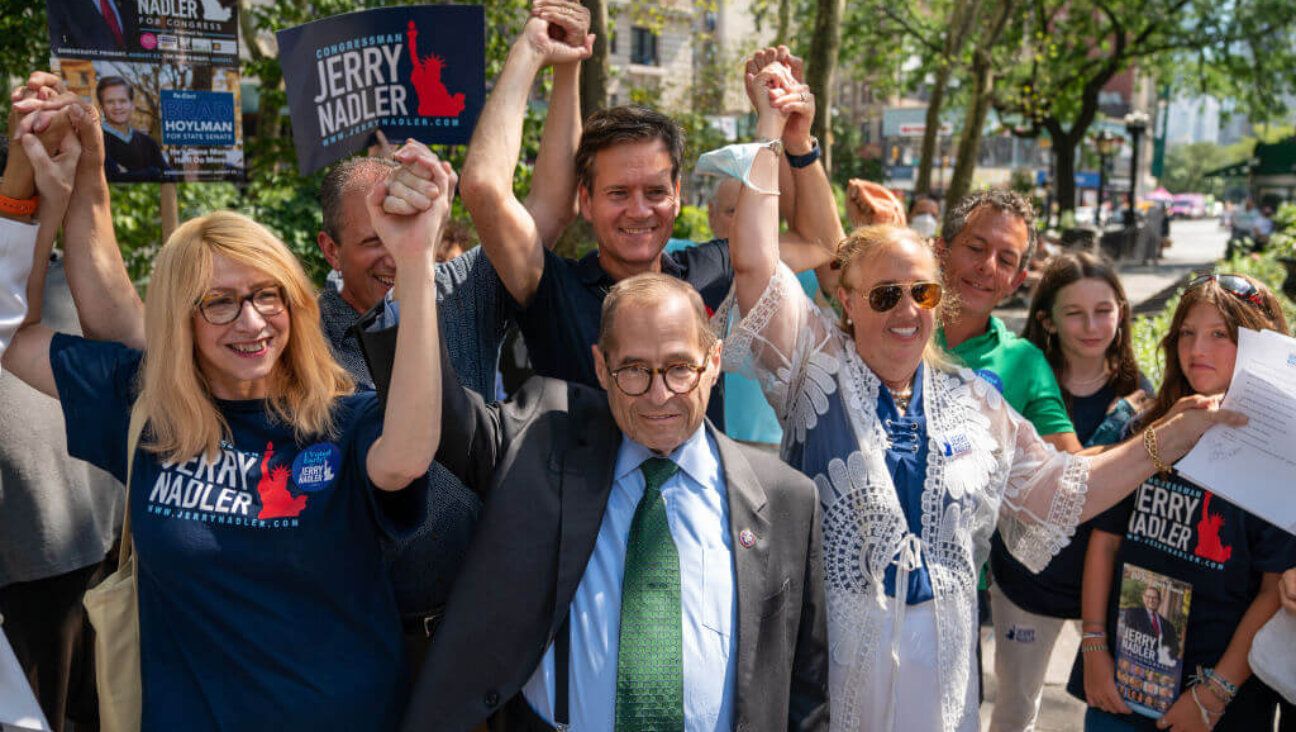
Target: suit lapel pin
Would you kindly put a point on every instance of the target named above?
(747, 538)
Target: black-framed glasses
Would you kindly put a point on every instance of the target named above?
(926, 295)
(636, 379)
(223, 308)
(1236, 285)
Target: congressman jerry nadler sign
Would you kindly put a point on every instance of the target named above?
(413, 72)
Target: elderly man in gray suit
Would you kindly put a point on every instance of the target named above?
(633, 568)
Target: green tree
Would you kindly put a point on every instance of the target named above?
(1238, 50)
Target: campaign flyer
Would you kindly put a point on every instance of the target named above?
(201, 32)
(163, 122)
(1153, 613)
(413, 72)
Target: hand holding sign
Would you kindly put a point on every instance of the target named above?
(559, 31)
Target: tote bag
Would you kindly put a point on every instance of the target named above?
(113, 608)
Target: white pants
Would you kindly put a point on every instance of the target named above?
(1023, 644)
(917, 700)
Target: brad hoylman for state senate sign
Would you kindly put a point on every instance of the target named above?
(413, 72)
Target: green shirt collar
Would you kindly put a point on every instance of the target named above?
(994, 335)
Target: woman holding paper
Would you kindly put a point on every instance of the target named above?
(917, 461)
(1174, 528)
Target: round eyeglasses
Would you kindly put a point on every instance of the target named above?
(636, 379)
(223, 308)
(926, 295)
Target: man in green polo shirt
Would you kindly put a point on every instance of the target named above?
(987, 240)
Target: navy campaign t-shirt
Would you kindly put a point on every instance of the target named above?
(263, 600)
(1174, 527)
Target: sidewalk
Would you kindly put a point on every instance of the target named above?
(1197, 245)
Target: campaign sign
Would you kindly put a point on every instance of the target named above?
(197, 118)
(413, 72)
(186, 31)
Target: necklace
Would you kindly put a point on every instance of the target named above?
(900, 396)
(1074, 386)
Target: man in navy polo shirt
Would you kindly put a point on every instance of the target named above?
(627, 168)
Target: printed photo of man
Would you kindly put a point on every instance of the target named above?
(1148, 619)
(103, 25)
(129, 154)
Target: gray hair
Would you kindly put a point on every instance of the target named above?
(1002, 200)
(653, 287)
(348, 176)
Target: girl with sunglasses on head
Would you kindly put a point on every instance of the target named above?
(262, 482)
(1176, 528)
(916, 461)
(1080, 320)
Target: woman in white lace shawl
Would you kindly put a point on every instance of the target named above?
(917, 461)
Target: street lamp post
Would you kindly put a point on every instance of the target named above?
(1105, 142)
(1136, 123)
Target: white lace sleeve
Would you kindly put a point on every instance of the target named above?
(781, 342)
(1043, 489)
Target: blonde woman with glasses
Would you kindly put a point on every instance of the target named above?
(262, 483)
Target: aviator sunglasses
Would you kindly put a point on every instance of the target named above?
(1236, 285)
(926, 295)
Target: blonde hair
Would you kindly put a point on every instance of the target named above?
(175, 396)
(868, 241)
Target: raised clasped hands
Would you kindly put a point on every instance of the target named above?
(558, 31)
(795, 100)
(45, 103)
(410, 208)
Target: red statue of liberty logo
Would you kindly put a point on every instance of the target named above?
(1209, 545)
(434, 100)
(276, 501)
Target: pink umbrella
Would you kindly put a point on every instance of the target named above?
(1160, 195)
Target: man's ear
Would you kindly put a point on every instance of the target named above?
(677, 198)
(600, 368)
(942, 249)
(330, 250)
(584, 199)
(1018, 278)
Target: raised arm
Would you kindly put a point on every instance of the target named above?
(552, 198)
(107, 305)
(509, 233)
(753, 240)
(27, 356)
(412, 420)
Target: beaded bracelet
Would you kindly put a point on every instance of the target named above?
(1222, 687)
(1092, 647)
(1094, 634)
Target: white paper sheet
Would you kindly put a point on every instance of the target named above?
(1255, 466)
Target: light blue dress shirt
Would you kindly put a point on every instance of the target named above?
(697, 510)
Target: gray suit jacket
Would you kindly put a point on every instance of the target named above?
(543, 462)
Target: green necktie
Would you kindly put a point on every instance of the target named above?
(650, 659)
